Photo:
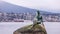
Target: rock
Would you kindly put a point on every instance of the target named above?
(37, 29)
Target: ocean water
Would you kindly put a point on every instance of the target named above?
(10, 27)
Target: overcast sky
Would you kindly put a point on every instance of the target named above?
(47, 5)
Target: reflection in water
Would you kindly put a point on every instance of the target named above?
(9, 28)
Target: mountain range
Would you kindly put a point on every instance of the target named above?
(9, 8)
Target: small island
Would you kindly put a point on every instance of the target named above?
(36, 28)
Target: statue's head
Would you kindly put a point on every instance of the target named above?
(38, 13)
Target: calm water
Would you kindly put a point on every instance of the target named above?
(9, 28)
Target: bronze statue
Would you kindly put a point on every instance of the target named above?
(38, 19)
